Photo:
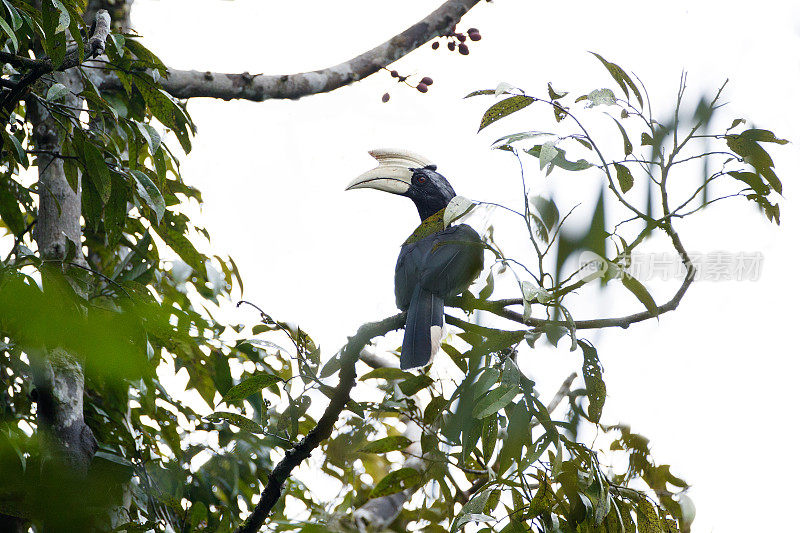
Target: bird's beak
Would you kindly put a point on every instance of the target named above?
(393, 179)
(393, 173)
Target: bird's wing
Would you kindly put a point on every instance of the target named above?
(406, 273)
(453, 260)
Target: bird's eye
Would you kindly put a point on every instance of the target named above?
(421, 179)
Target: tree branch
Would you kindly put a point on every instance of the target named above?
(347, 376)
(498, 308)
(193, 83)
(37, 68)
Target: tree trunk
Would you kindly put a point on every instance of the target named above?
(58, 376)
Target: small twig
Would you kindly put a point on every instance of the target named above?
(269, 321)
(93, 271)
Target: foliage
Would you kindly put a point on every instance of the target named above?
(146, 301)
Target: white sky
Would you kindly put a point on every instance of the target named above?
(712, 385)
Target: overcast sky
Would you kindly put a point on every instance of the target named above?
(711, 385)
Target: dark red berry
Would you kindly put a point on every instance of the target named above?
(475, 36)
(451, 46)
(435, 45)
(463, 49)
(472, 30)
(395, 74)
(427, 80)
(385, 98)
(461, 37)
(423, 88)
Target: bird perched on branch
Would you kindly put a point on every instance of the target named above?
(437, 261)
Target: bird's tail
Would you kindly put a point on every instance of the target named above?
(424, 329)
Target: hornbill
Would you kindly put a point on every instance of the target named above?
(435, 262)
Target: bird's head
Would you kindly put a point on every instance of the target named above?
(407, 174)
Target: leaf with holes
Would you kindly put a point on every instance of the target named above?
(624, 177)
(593, 377)
(504, 108)
(234, 419)
(249, 386)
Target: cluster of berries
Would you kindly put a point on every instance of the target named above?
(455, 40)
(422, 86)
(463, 49)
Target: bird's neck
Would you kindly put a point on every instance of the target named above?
(427, 207)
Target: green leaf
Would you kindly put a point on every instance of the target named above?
(150, 194)
(9, 207)
(621, 77)
(624, 177)
(764, 136)
(19, 152)
(555, 95)
(518, 434)
(753, 154)
(96, 169)
(250, 385)
(11, 34)
(486, 381)
(394, 482)
(647, 520)
(626, 142)
(415, 384)
(387, 444)
(489, 436)
(504, 108)
(482, 92)
(434, 409)
(547, 153)
(639, 290)
(547, 208)
(494, 401)
(387, 373)
(752, 180)
(172, 231)
(599, 97)
(198, 514)
(56, 92)
(55, 40)
(473, 507)
(560, 160)
(593, 377)
(237, 420)
(515, 137)
(647, 140)
(151, 136)
(16, 19)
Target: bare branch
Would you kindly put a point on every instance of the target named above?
(302, 451)
(193, 83)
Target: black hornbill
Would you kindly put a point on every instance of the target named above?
(436, 261)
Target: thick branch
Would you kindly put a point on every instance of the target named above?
(302, 451)
(193, 83)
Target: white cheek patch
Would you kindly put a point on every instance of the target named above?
(437, 334)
